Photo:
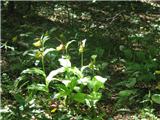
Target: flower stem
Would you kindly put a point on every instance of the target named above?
(43, 67)
(82, 59)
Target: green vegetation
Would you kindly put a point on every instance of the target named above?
(80, 60)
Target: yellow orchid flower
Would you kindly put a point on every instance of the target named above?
(53, 110)
(37, 44)
(60, 47)
(38, 54)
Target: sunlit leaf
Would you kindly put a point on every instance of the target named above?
(44, 38)
(66, 82)
(79, 97)
(68, 43)
(38, 87)
(101, 79)
(84, 80)
(93, 98)
(96, 83)
(65, 62)
(48, 50)
(36, 71)
(83, 68)
(77, 72)
(54, 73)
(77, 88)
(88, 102)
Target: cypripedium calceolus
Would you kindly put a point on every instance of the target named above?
(60, 47)
(82, 46)
(37, 44)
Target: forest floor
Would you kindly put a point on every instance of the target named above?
(22, 25)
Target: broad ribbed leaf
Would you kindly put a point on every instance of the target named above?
(54, 73)
(96, 83)
(156, 98)
(80, 97)
(38, 87)
(68, 43)
(126, 93)
(65, 62)
(48, 50)
(101, 79)
(84, 80)
(19, 99)
(36, 71)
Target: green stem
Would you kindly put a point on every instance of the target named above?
(82, 59)
(43, 67)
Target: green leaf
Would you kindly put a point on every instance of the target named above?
(140, 55)
(126, 93)
(84, 67)
(72, 84)
(44, 37)
(93, 98)
(88, 103)
(80, 97)
(128, 53)
(156, 98)
(131, 82)
(63, 90)
(36, 71)
(128, 83)
(38, 87)
(96, 83)
(19, 99)
(77, 88)
(77, 72)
